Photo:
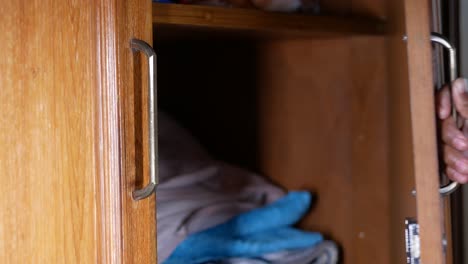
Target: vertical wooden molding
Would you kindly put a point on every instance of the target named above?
(138, 217)
(423, 130)
(107, 111)
(127, 228)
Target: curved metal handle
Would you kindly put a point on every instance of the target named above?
(439, 39)
(140, 45)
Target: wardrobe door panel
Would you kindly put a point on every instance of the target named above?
(48, 162)
(65, 165)
(125, 120)
(139, 217)
(413, 149)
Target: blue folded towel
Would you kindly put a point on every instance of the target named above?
(251, 234)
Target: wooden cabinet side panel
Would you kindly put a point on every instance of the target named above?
(323, 128)
(401, 183)
(370, 156)
(304, 129)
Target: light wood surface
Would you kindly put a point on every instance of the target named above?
(48, 195)
(64, 195)
(129, 227)
(133, 20)
(256, 20)
(422, 109)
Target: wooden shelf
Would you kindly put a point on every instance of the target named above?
(257, 20)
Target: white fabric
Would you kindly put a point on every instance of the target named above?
(197, 192)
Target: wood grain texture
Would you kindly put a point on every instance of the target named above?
(133, 20)
(256, 20)
(109, 216)
(61, 194)
(47, 132)
(127, 229)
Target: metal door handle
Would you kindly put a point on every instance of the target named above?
(140, 45)
(439, 39)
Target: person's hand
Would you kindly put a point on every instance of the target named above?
(455, 139)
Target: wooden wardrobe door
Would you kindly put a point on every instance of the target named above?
(67, 162)
(413, 149)
(134, 20)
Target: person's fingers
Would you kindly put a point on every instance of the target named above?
(455, 160)
(456, 176)
(443, 103)
(460, 96)
(452, 136)
(456, 143)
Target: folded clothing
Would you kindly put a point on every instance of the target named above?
(198, 193)
(251, 234)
